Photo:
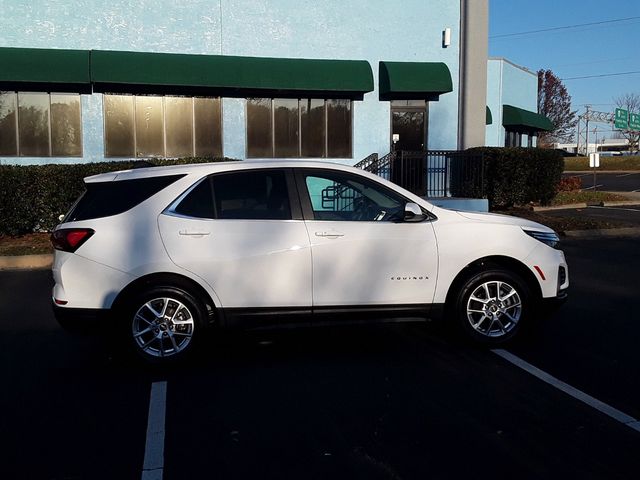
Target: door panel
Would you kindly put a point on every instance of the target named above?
(363, 253)
(248, 263)
(243, 233)
(373, 263)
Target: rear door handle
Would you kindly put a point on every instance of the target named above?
(193, 233)
(330, 234)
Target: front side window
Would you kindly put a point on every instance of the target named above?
(40, 124)
(248, 195)
(299, 128)
(343, 197)
(144, 126)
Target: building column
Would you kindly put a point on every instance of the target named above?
(474, 47)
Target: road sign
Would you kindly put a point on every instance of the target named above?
(634, 121)
(594, 160)
(622, 118)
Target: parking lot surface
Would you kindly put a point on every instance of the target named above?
(609, 182)
(398, 401)
(626, 214)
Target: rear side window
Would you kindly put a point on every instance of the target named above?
(248, 195)
(104, 199)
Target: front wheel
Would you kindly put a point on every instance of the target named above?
(164, 324)
(492, 306)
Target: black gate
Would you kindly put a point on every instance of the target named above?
(431, 173)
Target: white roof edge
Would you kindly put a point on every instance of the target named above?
(524, 69)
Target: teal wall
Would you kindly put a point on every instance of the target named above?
(508, 84)
(410, 30)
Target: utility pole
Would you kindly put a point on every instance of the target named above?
(587, 130)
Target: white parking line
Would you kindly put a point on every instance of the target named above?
(589, 188)
(614, 413)
(154, 447)
(626, 174)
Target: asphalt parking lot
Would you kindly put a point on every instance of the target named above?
(609, 182)
(398, 401)
(625, 214)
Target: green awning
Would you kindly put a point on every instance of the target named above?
(524, 120)
(489, 117)
(30, 66)
(244, 75)
(414, 80)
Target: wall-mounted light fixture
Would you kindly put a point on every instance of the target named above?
(446, 37)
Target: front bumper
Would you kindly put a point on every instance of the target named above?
(551, 304)
(81, 320)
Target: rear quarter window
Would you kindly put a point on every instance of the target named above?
(104, 199)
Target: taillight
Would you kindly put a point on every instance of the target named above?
(70, 239)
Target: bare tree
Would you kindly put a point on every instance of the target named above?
(554, 102)
(631, 103)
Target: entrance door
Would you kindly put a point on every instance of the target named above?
(409, 121)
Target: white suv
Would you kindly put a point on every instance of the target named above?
(167, 252)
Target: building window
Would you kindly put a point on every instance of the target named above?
(299, 128)
(512, 138)
(40, 124)
(145, 126)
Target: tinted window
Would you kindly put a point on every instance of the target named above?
(33, 124)
(8, 124)
(104, 199)
(335, 196)
(198, 202)
(255, 195)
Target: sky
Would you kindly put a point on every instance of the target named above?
(572, 52)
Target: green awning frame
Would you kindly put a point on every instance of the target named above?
(519, 119)
(488, 117)
(48, 69)
(414, 80)
(233, 76)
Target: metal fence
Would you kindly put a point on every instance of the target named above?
(431, 173)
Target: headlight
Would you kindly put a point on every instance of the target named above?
(549, 238)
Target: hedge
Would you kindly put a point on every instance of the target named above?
(511, 176)
(32, 197)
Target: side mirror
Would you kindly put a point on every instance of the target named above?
(413, 213)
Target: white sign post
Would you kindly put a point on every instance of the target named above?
(594, 162)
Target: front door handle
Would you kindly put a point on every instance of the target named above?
(193, 233)
(330, 234)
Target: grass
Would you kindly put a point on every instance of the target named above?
(585, 196)
(31, 244)
(622, 163)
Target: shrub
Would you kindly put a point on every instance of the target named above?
(32, 197)
(514, 176)
(569, 184)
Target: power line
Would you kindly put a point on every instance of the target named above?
(565, 27)
(617, 74)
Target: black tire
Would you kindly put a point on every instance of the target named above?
(492, 306)
(168, 338)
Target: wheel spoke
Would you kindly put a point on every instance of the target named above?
(142, 332)
(514, 320)
(476, 299)
(173, 342)
(153, 310)
(486, 291)
(144, 319)
(509, 295)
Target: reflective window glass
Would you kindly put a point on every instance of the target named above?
(259, 140)
(179, 126)
(66, 128)
(118, 126)
(252, 195)
(339, 128)
(312, 123)
(285, 123)
(149, 127)
(33, 124)
(343, 197)
(8, 141)
(208, 127)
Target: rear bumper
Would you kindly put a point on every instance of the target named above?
(81, 320)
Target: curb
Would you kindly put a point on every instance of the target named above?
(604, 233)
(26, 262)
(570, 206)
(572, 172)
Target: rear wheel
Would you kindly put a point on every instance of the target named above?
(492, 306)
(164, 324)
